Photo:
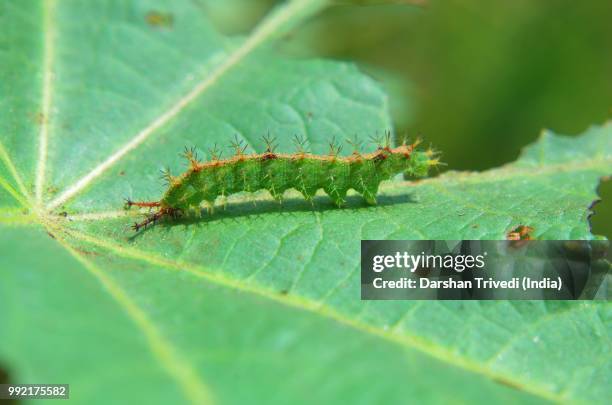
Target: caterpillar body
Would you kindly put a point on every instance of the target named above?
(277, 172)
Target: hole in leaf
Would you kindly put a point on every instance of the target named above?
(521, 232)
(601, 220)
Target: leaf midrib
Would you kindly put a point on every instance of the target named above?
(48, 11)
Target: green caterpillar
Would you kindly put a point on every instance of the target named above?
(275, 172)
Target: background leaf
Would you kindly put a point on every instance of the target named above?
(257, 303)
(483, 78)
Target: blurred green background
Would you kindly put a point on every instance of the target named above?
(477, 79)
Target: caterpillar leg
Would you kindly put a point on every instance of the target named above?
(209, 206)
(368, 191)
(337, 195)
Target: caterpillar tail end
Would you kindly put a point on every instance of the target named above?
(153, 218)
(150, 204)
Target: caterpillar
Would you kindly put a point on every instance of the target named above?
(278, 172)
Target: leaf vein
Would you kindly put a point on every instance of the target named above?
(48, 57)
(195, 389)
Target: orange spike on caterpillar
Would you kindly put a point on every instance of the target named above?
(239, 146)
(300, 143)
(334, 148)
(191, 155)
(204, 182)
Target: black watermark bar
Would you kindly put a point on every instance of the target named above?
(34, 391)
(486, 270)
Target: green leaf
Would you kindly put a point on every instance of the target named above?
(257, 303)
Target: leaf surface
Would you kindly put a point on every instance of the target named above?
(260, 301)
